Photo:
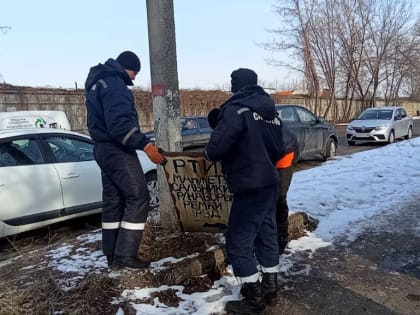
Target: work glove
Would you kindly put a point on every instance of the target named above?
(153, 153)
(213, 117)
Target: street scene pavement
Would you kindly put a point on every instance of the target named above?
(378, 273)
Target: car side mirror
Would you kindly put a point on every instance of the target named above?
(320, 119)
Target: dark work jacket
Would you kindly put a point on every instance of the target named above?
(290, 143)
(247, 139)
(111, 112)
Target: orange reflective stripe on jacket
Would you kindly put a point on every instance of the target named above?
(286, 160)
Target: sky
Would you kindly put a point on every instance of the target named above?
(54, 43)
(385, 178)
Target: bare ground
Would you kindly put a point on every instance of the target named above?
(378, 273)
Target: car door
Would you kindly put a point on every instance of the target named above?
(30, 189)
(205, 130)
(404, 123)
(79, 174)
(304, 124)
(313, 130)
(289, 117)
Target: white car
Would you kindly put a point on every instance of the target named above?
(50, 175)
(380, 124)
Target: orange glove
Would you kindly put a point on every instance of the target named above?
(154, 154)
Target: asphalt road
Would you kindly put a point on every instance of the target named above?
(344, 149)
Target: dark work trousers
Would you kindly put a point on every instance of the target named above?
(282, 208)
(251, 237)
(125, 199)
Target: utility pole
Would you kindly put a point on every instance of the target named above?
(165, 93)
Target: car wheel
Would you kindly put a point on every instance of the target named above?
(152, 185)
(330, 149)
(351, 142)
(391, 137)
(409, 133)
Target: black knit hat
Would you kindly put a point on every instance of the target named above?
(241, 78)
(129, 61)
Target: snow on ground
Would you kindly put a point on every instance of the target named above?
(343, 194)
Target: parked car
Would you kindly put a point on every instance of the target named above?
(195, 131)
(380, 124)
(316, 137)
(49, 175)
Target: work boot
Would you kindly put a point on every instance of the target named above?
(269, 286)
(253, 303)
(129, 262)
(110, 259)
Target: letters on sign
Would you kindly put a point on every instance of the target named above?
(199, 191)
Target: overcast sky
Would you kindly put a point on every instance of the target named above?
(54, 43)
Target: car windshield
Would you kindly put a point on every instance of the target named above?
(377, 114)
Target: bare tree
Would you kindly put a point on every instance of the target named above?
(410, 51)
(358, 49)
(352, 36)
(386, 27)
(295, 36)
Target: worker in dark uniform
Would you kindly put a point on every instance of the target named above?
(285, 167)
(114, 126)
(245, 140)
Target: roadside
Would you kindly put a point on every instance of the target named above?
(378, 273)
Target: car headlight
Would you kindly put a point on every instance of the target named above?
(349, 128)
(381, 127)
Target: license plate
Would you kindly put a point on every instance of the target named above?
(363, 135)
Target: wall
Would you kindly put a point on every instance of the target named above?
(72, 102)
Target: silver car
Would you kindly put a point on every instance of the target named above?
(380, 124)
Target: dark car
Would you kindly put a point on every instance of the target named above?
(195, 131)
(316, 138)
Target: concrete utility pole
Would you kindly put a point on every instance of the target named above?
(165, 93)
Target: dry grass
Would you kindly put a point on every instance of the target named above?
(35, 290)
(41, 295)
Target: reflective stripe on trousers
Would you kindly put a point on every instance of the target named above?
(125, 199)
